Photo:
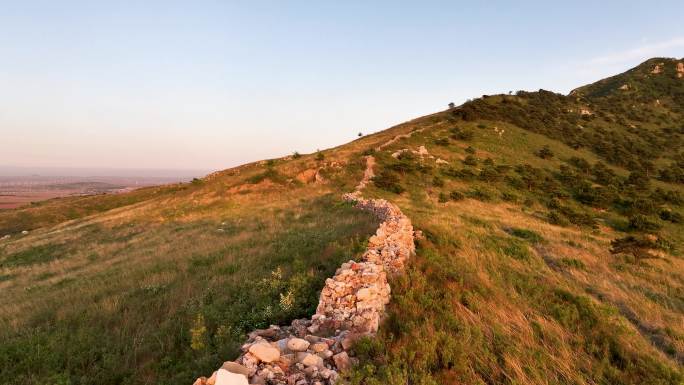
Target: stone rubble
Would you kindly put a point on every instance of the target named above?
(352, 303)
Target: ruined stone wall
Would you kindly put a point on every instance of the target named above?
(352, 304)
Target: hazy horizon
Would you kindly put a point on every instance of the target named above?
(89, 172)
(163, 85)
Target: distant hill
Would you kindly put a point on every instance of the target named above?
(552, 225)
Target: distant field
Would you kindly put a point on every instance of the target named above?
(23, 190)
(14, 200)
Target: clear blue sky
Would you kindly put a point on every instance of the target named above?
(212, 84)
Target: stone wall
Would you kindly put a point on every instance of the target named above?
(352, 303)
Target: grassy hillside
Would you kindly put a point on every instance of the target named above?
(551, 255)
(551, 252)
(164, 286)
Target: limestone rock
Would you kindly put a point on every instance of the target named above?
(311, 360)
(319, 347)
(298, 344)
(225, 377)
(234, 367)
(341, 361)
(265, 352)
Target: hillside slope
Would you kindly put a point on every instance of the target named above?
(551, 253)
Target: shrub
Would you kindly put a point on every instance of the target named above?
(545, 153)
(296, 155)
(456, 196)
(525, 234)
(641, 222)
(479, 194)
(516, 250)
(463, 134)
(639, 247)
(574, 263)
(470, 160)
(319, 155)
(470, 150)
(443, 198)
(508, 197)
(557, 218)
(388, 181)
(670, 216)
(442, 141)
(437, 182)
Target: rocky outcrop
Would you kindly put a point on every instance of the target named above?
(352, 303)
(658, 68)
(680, 69)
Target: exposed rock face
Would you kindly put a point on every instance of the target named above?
(658, 68)
(680, 69)
(351, 305)
(307, 176)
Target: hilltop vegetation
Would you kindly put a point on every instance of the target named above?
(551, 252)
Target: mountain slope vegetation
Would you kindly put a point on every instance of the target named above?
(551, 251)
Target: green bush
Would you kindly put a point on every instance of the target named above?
(388, 181)
(641, 222)
(470, 160)
(442, 142)
(525, 234)
(545, 153)
(456, 196)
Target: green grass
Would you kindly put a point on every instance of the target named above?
(514, 282)
(543, 301)
(121, 308)
(34, 255)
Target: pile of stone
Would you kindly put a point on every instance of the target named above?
(286, 355)
(351, 305)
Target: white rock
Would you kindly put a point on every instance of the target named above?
(298, 344)
(363, 294)
(312, 360)
(225, 377)
(265, 352)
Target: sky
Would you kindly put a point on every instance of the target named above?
(207, 85)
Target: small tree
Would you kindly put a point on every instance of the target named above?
(470, 160)
(319, 155)
(296, 155)
(452, 105)
(360, 134)
(639, 248)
